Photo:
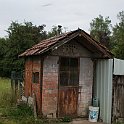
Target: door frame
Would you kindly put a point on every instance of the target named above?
(63, 86)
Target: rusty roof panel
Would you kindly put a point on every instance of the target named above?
(43, 45)
(29, 52)
(47, 44)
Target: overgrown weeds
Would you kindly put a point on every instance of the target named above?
(7, 99)
(17, 114)
(11, 113)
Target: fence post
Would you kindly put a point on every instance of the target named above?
(13, 84)
(16, 85)
(16, 88)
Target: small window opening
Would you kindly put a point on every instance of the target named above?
(35, 77)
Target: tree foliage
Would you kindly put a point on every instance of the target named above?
(24, 36)
(20, 37)
(54, 31)
(3, 47)
(118, 37)
(100, 29)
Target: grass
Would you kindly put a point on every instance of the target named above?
(10, 113)
(4, 85)
(5, 92)
(6, 101)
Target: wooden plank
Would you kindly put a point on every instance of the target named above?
(118, 97)
(68, 99)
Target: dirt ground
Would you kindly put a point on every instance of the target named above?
(82, 121)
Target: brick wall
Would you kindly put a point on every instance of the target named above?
(50, 86)
(85, 83)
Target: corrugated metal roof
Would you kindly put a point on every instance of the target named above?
(59, 40)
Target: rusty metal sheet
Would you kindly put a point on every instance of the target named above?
(33, 65)
(68, 101)
(28, 77)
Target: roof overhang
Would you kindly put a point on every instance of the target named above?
(57, 41)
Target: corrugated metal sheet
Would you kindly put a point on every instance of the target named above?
(103, 88)
(118, 67)
(59, 40)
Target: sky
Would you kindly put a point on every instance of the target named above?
(71, 14)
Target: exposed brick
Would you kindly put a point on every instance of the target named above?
(50, 86)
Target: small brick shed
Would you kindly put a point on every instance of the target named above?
(60, 71)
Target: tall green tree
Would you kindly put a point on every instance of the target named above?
(100, 29)
(3, 47)
(118, 37)
(24, 35)
(21, 36)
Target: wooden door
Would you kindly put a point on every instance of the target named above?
(68, 87)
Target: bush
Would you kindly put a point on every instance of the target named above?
(20, 112)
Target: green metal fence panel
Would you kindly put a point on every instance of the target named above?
(103, 88)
